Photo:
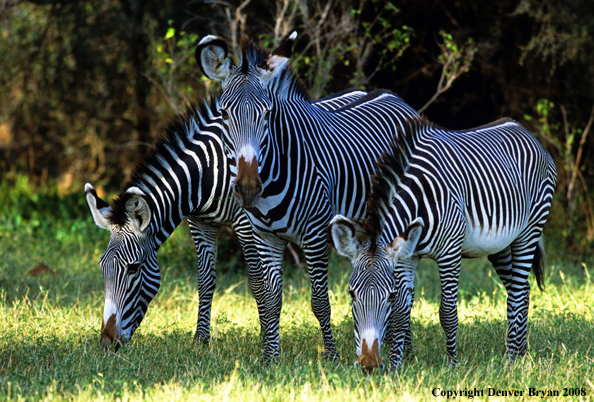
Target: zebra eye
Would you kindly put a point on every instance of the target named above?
(133, 268)
(392, 296)
(352, 294)
(266, 115)
(224, 114)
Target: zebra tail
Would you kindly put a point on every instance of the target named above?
(538, 264)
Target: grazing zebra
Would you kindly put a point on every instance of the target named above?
(447, 195)
(185, 175)
(297, 166)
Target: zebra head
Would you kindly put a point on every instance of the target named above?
(380, 286)
(129, 264)
(245, 104)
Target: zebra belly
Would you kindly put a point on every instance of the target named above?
(479, 241)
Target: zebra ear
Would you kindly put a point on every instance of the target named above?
(343, 233)
(100, 210)
(138, 209)
(404, 246)
(275, 63)
(211, 56)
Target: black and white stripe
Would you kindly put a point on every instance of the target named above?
(185, 175)
(449, 195)
(312, 163)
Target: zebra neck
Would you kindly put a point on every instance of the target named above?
(405, 208)
(181, 178)
(285, 143)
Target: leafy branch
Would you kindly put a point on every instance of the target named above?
(456, 60)
(173, 54)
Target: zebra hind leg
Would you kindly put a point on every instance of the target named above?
(502, 263)
(518, 298)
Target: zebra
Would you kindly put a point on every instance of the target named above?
(447, 195)
(296, 166)
(185, 175)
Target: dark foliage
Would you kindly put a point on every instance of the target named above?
(79, 103)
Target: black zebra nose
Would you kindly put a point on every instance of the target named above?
(237, 189)
(246, 195)
(258, 188)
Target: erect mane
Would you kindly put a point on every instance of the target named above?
(389, 173)
(253, 55)
(177, 132)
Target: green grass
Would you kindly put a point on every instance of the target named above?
(49, 336)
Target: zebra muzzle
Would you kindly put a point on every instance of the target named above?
(248, 185)
(110, 334)
(370, 359)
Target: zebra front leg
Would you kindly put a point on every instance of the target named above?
(408, 347)
(449, 272)
(258, 289)
(205, 241)
(243, 229)
(316, 256)
(271, 250)
(401, 310)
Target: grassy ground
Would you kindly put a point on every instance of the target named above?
(49, 336)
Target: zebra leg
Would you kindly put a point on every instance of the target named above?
(526, 252)
(316, 257)
(271, 250)
(408, 347)
(205, 241)
(243, 229)
(502, 262)
(400, 317)
(449, 272)
(389, 338)
(518, 298)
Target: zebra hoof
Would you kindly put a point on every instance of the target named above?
(331, 355)
(201, 340)
(409, 353)
(270, 360)
(394, 369)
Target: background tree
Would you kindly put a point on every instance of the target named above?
(86, 85)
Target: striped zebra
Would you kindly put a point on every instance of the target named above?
(447, 195)
(185, 175)
(296, 166)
